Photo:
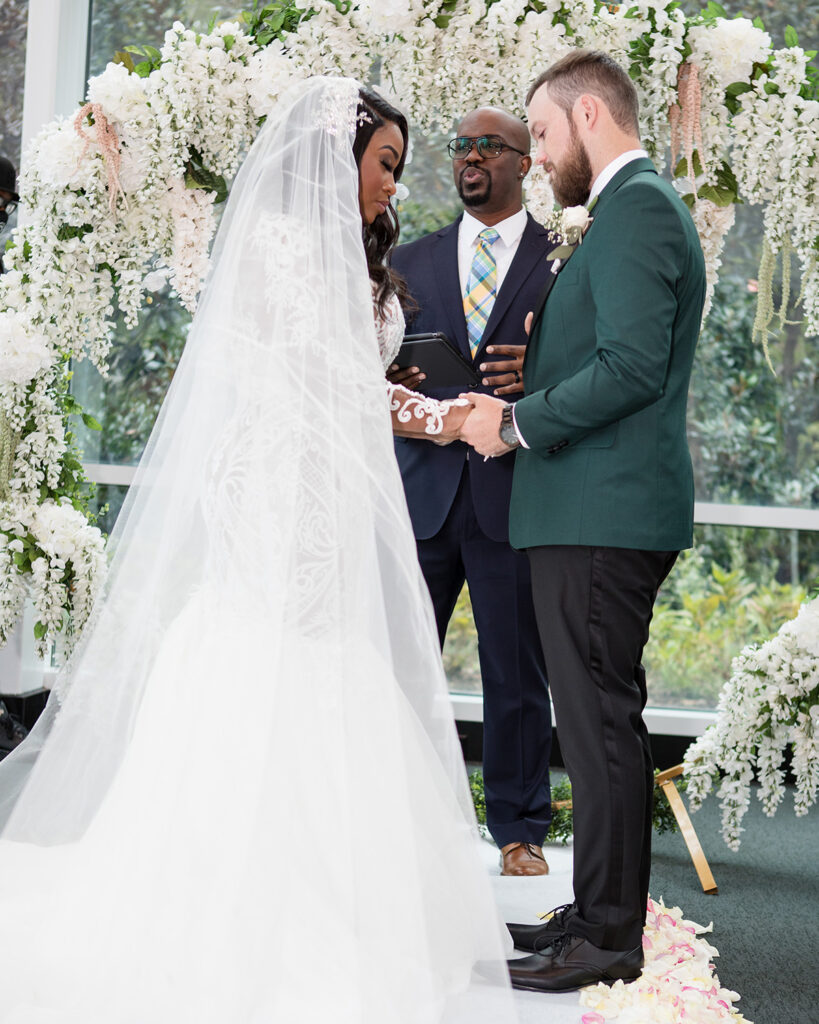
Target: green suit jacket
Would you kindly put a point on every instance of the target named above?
(606, 379)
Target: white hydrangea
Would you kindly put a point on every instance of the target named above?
(58, 528)
(59, 156)
(270, 73)
(386, 17)
(122, 95)
(728, 48)
(23, 352)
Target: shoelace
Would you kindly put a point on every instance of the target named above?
(556, 944)
(559, 912)
(548, 939)
(531, 848)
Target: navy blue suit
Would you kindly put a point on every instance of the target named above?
(459, 505)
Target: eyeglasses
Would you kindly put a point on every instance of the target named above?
(9, 205)
(488, 146)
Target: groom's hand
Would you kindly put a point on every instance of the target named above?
(482, 427)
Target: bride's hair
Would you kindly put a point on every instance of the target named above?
(381, 236)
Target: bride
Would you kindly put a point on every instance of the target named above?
(162, 864)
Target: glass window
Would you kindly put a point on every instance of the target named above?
(13, 25)
(143, 360)
(115, 24)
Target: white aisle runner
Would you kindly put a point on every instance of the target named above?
(521, 900)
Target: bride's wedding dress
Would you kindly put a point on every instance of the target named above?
(245, 802)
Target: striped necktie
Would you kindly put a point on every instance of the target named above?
(481, 288)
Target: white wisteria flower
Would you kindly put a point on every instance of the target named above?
(768, 703)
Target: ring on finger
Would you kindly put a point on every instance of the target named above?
(517, 376)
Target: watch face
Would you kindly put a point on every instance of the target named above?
(509, 435)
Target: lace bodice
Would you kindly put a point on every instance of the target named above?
(389, 327)
(412, 413)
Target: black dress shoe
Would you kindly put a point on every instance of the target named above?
(534, 937)
(572, 962)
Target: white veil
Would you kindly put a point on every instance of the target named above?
(265, 604)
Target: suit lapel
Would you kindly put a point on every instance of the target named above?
(448, 280)
(631, 168)
(532, 249)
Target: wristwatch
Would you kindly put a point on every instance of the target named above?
(507, 431)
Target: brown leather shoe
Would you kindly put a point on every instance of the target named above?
(523, 859)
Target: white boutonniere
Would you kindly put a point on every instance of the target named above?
(574, 223)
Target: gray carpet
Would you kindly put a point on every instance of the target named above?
(765, 914)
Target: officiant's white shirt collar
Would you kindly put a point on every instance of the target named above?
(608, 172)
(509, 230)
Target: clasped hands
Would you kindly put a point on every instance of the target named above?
(480, 426)
(476, 420)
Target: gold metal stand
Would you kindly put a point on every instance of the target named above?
(665, 780)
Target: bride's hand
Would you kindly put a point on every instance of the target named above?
(454, 419)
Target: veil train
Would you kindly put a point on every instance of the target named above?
(322, 859)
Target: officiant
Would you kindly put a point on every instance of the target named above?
(8, 197)
(474, 281)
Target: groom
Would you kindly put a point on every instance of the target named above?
(603, 492)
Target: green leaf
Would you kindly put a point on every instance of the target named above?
(198, 176)
(718, 196)
(229, 41)
(791, 36)
(90, 422)
(124, 58)
(144, 68)
(738, 88)
(39, 630)
(67, 231)
(715, 10)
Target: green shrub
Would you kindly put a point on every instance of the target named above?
(560, 830)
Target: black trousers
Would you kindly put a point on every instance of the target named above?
(593, 608)
(517, 717)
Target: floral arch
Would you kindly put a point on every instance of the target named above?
(124, 191)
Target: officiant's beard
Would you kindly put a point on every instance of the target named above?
(479, 194)
(571, 181)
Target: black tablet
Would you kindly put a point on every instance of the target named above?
(438, 359)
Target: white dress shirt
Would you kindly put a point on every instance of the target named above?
(510, 231)
(599, 183)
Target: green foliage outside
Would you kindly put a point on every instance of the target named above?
(141, 365)
(704, 615)
(560, 830)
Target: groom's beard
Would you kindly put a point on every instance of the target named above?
(572, 181)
